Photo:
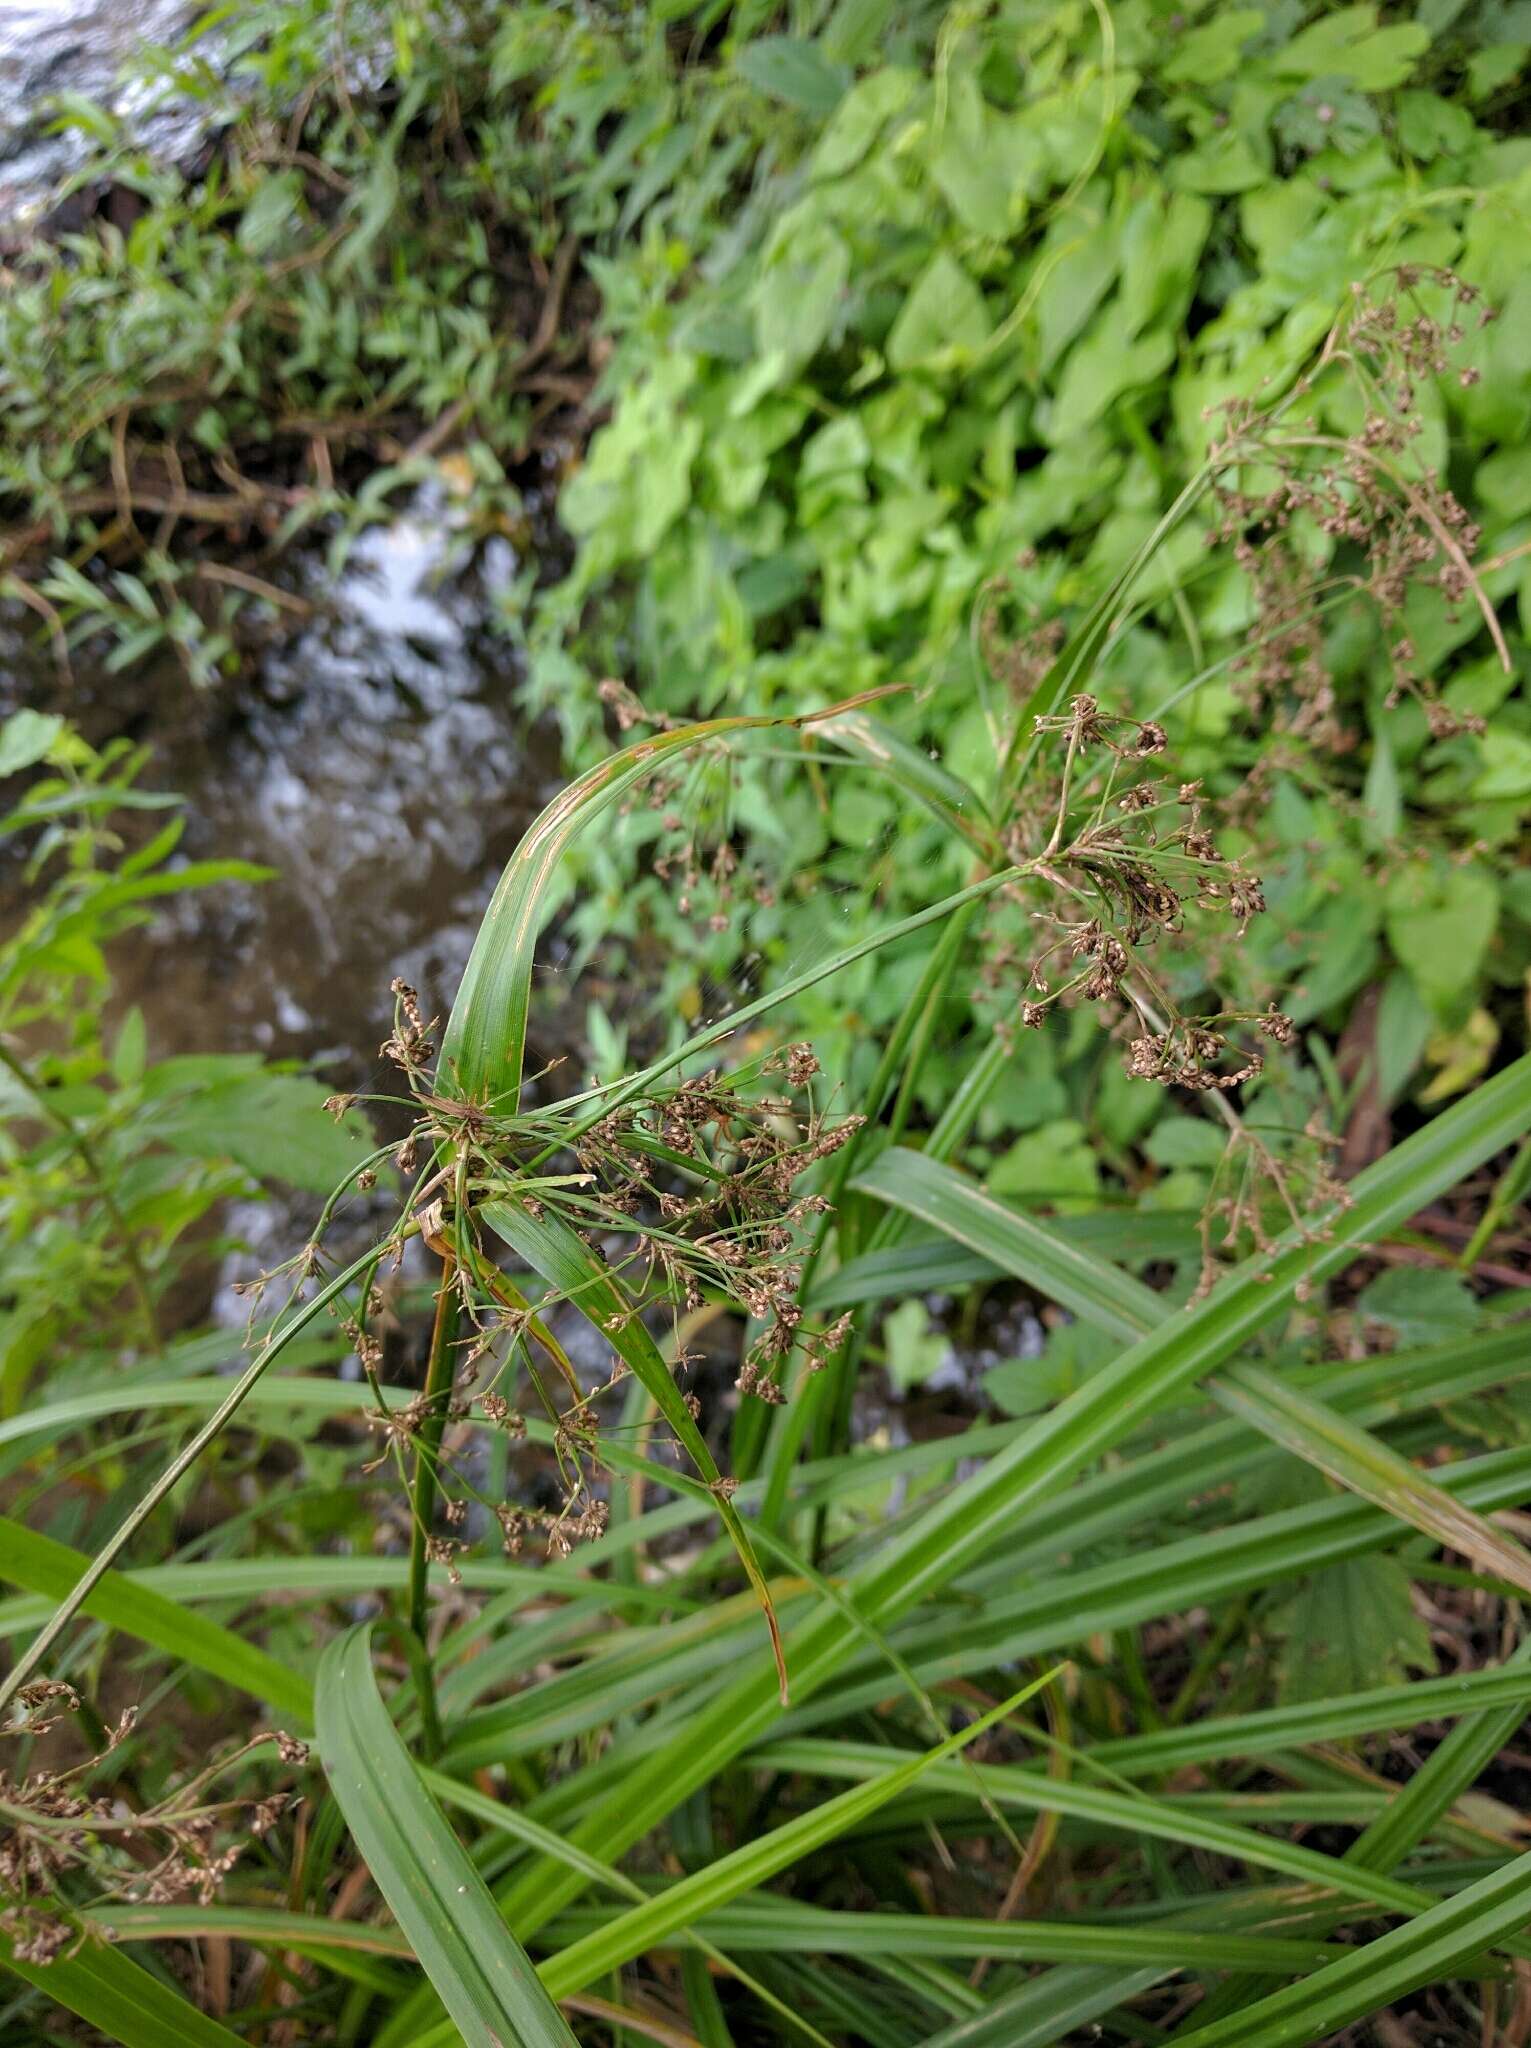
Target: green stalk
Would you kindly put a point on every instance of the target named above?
(422, 1498)
(801, 1412)
(1513, 1184)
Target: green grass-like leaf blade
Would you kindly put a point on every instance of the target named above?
(1093, 1288)
(42, 1565)
(483, 1976)
(109, 1991)
(1429, 1950)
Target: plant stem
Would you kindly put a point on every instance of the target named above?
(422, 1505)
(1511, 1187)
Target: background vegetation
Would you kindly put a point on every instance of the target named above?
(1026, 1310)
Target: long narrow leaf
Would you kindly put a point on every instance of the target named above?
(42, 1565)
(770, 1925)
(483, 1977)
(111, 1993)
(749, 1866)
(973, 1520)
(1451, 1767)
(1113, 1300)
(485, 1039)
(911, 769)
(1429, 1950)
(1031, 1791)
(1380, 1709)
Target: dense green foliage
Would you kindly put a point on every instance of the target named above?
(933, 391)
(124, 1158)
(1062, 454)
(920, 321)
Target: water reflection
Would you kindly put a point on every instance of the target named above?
(374, 758)
(78, 46)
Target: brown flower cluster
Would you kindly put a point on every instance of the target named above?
(1388, 521)
(55, 1836)
(1271, 1182)
(739, 1233)
(692, 1198)
(1125, 862)
(409, 1044)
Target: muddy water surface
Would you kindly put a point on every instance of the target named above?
(374, 758)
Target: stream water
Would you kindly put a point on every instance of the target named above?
(77, 46)
(374, 758)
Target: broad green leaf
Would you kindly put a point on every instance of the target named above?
(1419, 1306)
(1347, 43)
(943, 321)
(1439, 922)
(434, 1891)
(273, 1125)
(1055, 1164)
(1210, 53)
(795, 71)
(799, 295)
(1459, 1055)
(914, 1348)
(860, 118)
(1352, 1626)
(1381, 798)
(987, 163)
(1098, 369)
(271, 217)
(374, 205)
(25, 738)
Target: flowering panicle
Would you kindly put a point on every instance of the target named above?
(694, 1195)
(180, 1848)
(1384, 521)
(1125, 861)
